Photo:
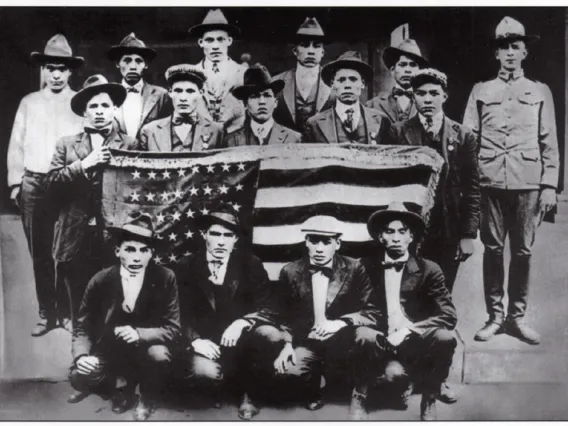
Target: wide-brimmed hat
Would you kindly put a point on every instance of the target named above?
(350, 60)
(185, 72)
(429, 75)
(310, 30)
(256, 79)
(408, 48)
(214, 20)
(326, 226)
(138, 226)
(94, 85)
(131, 45)
(57, 49)
(510, 29)
(224, 216)
(394, 211)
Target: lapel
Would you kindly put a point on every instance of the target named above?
(278, 135)
(327, 126)
(202, 274)
(202, 134)
(232, 274)
(389, 106)
(323, 95)
(289, 94)
(410, 278)
(163, 134)
(149, 99)
(82, 145)
(146, 290)
(413, 131)
(372, 118)
(116, 294)
(449, 137)
(119, 119)
(337, 281)
(114, 139)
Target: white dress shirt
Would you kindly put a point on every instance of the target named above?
(402, 101)
(261, 131)
(132, 108)
(306, 78)
(320, 284)
(393, 279)
(436, 126)
(218, 273)
(131, 286)
(341, 110)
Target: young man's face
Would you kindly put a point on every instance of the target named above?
(261, 105)
(220, 241)
(403, 70)
(184, 95)
(511, 55)
(215, 45)
(56, 76)
(309, 53)
(321, 248)
(395, 238)
(134, 255)
(100, 111)
(430, 99)
(131, 68)
(348, 85)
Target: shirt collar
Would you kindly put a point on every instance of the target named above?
(139, 85)
(124, 273)
(48, 94)
(303, 71)
(404, 258)
(437, 121)
(211, 258)
(399, 87)
(511, 75)
(261, 129)
(327, 265)
(341, 108)
(208, 65)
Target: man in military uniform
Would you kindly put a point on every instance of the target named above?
(513, 118)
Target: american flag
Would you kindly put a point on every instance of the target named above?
(273, 189)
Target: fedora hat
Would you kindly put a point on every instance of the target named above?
(94, 85)
(185, 72)
(57, 49)
(326, 226)
(409, 48)
(350, 60)
(510, 29)
(224, 216)
(429, 75)
(214, 20)
(256, 79)
(138, 226)
(394, 211)
(310, 29)
(131, 45)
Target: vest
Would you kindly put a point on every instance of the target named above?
(177, 144)
(306, 108)
(360, 134)
(401, 114)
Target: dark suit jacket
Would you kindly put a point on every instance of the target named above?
(278, 135)
(156, 104)
(251, 292)
(77, 195)
(321, 127)
(348, 296)
(157, 136)
(385, 103)
(460, 183)
(423, 294)
(157, 309)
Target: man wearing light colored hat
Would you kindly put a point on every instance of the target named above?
(348, 121)
(259, 93)
(42, 118)
(186, 129)
(144, 102)
(305, 94)
(514, 120)
(328, 315)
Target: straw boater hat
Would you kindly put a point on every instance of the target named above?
(429, 75)
(214, 20)
(408, 48)
(510, 29)
(394, 211)
(224, 216)
(93, 86)
(185, 72)
(256, 79)
(138, 226)
(57, 49)
(349, 60)
(131, 45)
(326, 226)
(310, 30)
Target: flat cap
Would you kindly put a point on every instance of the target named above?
(322, 225)
(429, 75)
(185, 72)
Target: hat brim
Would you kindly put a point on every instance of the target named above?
(204, 222)
(117, 52)
(73, 62)
(197, 31)
(306, 37)
(529, 38)
(392, 54)
(116, 92)
(328, 71)
(243, 92)
(382, 217)
(120, 234)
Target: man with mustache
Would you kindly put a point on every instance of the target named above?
(42, 118)
(259, 95)
(185, 129)
(144, 102)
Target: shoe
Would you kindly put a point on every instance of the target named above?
(143, 409)
(520, 330)
(247, 410)
(428, 411)
(315, 403)
(489, 330)
(405, 397)
(43, 326)
(357, 408)
(448, 395)
(76, 397)
(122, 401)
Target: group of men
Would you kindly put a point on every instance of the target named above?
(389, 314)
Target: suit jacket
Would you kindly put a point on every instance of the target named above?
(251, 292)
(157, 309)
(460, 182)
(156, 103)
(348, 296)
(278, 135)
(388, 106)
(78, 194)
(285, 112)
(424, 297)
(321, 127)
(157, 135)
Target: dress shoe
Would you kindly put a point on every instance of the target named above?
(357, 408)
(43, 326)
(76, 397)
(520, 330)
(122, 401)
(428, 408)
(247, 410)
(315, 403)
(143, 409)
(489, 330)
(448, 394)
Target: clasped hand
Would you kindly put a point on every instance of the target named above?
(325, 329)
(127, 334)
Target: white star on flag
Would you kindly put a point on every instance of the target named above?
(193, 190)
(160, 217)
(172, 236)
(165, 195)
(239, 187)
(136, 174)
(195, 169)
(135, 196)
(189, 213)
(178, 194)
(173, 258)
(204, 211)
(188, 234)
(210, 168)
(223, 189)
(150, 196)
(226, 167)
(207, 190)
(241, 167)
(158, 260)
(187, 253)
(176, 216)
(181, 172)
(152, 175)
(236, 206)
(166, 174)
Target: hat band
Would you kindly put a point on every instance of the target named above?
(320, 232)
(138, 230)
(226, 217)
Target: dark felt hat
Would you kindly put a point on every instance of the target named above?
(394, 211)
(138, 226)
(256, 79)
(223, 215)
(214, 20)
(94, 85)
(57, 49)
(310, 30)
(349, 60)
(131, 45)
(408, 48)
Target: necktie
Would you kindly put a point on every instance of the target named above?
(325, 270)
(214, 267)
(178, 120)
(397, 92)
(396, 265)
(349, 120)
(215, 67)
(103, 132)
(429, 125)
(132, 90)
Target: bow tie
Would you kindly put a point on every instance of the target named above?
(397, 265)
(216, 262)
(103, 132)
(183, 119)
(215, 67)
(132, 89)
(325, 270)
(397, 92)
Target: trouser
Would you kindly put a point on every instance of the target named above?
(444, 254)
(513, 213)
(38, 218)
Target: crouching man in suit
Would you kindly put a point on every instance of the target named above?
(128, 324)
(420, 313)
(327, 313)
(228, 312)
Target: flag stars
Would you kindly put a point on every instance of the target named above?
(188, 234)
(236, 206)
(210, 168)
(195, 169)
(158, 260)
(193, 191)
(176, 216)
(136, 174)
(207, 190)
(226, 167)
(160, 217)
(177, 194)
(166, 174)
(241, 167)
(135, 196)
(204, 211)
(150, 196)
(152, 175)
(172, 236)
(165, 195)
(173, 258)
(181, 172)
(189, 213)
(239, 187)
(223, 189)
(187, 253)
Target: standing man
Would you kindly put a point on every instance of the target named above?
(42, 118)
(186, 129)
(259, 93)
(327, 313)
(348, 121)
(305, 94)
(513, 118)
(420, 315)
(144, 102)
(215, 35)
(403, 61)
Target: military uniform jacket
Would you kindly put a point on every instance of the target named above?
(387, 104)
(278, 135)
